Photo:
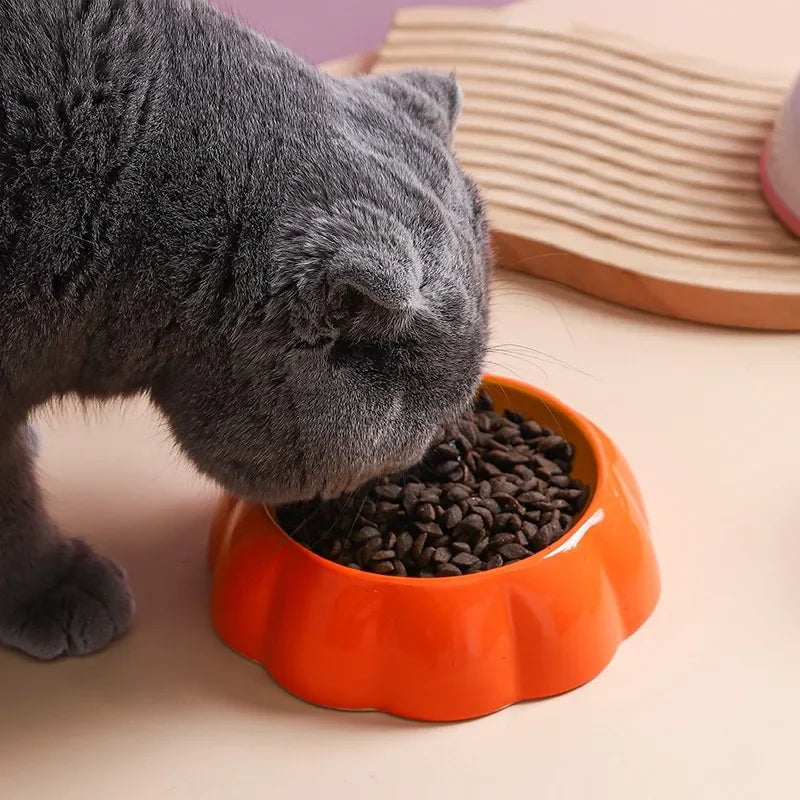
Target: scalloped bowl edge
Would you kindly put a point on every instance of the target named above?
(443, 649)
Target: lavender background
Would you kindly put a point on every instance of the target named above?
(322, 29)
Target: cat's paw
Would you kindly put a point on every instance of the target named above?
(90, 605)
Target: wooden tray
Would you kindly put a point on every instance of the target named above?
(618, 170)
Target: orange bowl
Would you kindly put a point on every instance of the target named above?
(444, 648)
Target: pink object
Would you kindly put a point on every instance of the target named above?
(782, 209)
(779, 165)
(320, 30)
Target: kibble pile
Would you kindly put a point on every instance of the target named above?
(494, 489)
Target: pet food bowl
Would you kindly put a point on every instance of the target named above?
(780, 163)
(443, 648)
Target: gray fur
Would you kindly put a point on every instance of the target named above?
(292, 266)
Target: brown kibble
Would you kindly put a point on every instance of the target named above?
(447, 469)
(458, 492)
(384, 511)
(403, 544)
(431, 528)
(485, 515)
(364, 553)
(484, 422)
(442, 555)
(501, 521)
(507, 459)
(464, 560)
(548, 534)
(364, 534)
(530, 498)
(526, 473)
(447, 571)
(418, 546)
(493, 486)
(513, 550)
(463, 443)
(507, 502)
(490, 470)
(507, 434)
(430, 494)
(425, 557)
(412, 490)
(426, 512)
(545, 466)
(470, 431)
(480, 547)
(501, 539)
(388, 491)
(367, 508)
(447, 452)
(498, 420)
(502, 485)
(529, 530)
(483, 401)
(472, 523)
(492, 505)
(452, 516)
(530, 429)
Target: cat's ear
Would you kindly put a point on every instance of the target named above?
(389, 277)
(434, 98)
(353, 248)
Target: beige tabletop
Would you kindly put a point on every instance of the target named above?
(703, 702)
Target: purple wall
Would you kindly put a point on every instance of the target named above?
(322, 29)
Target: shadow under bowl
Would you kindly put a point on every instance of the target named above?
(444, 649)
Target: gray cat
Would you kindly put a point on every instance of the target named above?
(292, 266)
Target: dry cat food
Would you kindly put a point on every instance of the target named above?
(493, 489)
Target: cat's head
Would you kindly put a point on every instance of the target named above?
(373, 327)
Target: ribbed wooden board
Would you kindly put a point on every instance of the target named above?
(621, 171)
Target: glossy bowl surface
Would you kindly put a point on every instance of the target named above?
(444, 648)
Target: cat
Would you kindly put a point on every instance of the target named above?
(294, 267)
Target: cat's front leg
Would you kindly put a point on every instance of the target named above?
(57, 596)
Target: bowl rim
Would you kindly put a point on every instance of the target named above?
(579, 527)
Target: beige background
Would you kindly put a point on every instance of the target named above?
(703, 702)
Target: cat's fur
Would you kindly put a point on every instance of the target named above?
(293, 266)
